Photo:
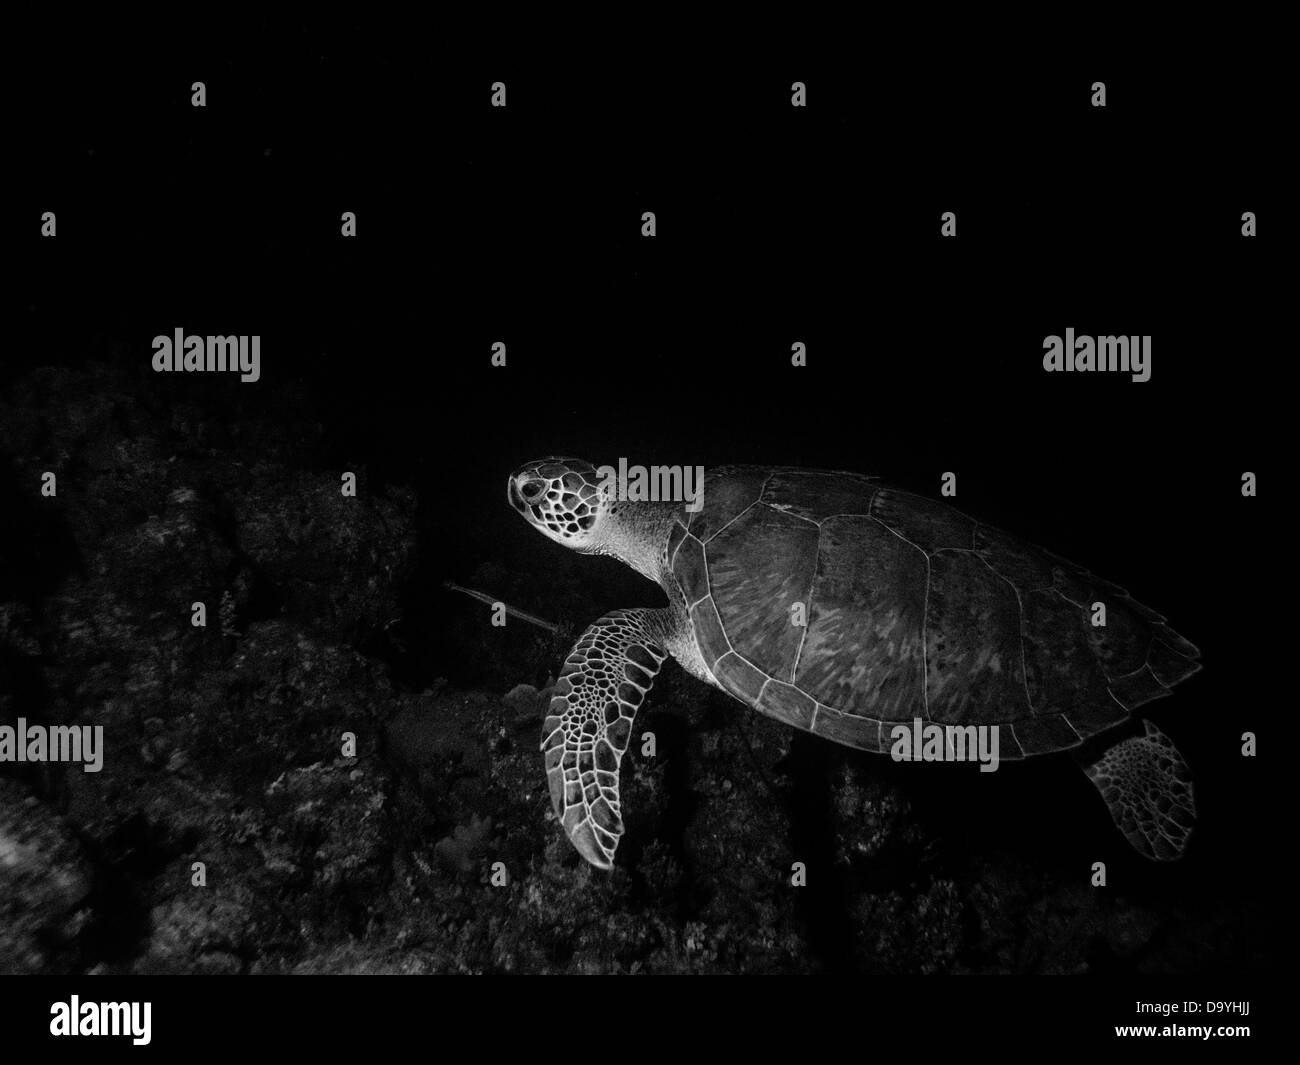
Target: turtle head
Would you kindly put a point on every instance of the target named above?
(561, 498)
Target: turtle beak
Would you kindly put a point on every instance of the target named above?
(523, 490)
(514, 496)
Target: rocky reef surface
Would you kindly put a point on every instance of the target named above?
(431, 847)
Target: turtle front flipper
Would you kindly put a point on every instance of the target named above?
(1148, 787)
(589, 724)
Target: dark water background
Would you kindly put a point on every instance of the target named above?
(775, 225)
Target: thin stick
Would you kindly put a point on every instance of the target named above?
(522, 615)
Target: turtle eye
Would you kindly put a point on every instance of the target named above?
(532, 490)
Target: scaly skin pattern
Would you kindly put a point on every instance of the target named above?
(589, 725)
(1148, 788)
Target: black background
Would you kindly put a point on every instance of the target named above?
(775, 225)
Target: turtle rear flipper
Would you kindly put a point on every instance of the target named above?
(1148, 787)
(589, 723)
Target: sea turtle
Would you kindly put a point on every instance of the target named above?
(912, 612)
